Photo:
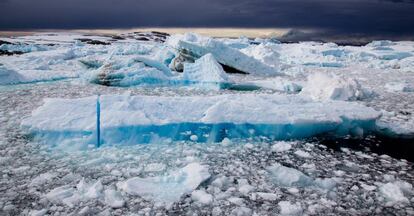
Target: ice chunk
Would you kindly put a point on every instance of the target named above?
(287, 208)
(281, 146)
(61, 194)
(43, 178)
(70, 196)
(266, 53)
(205, 71)
(40, 212)
(202, 197)
(199, 46)
(139, 119)
(302, 154)
(268, 196)
(322, 86)
(398, 87)
(277, 83)
(130, 71)
(165, 190)
(287, 177)
(154, 63)
(114, 198)
(392, 192)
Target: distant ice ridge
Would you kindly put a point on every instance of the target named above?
(10, 76)
(167, 189)
(199, 46)
(142, 119)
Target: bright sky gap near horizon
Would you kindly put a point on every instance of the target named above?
(368, 17)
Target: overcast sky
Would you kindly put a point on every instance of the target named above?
(350, 16)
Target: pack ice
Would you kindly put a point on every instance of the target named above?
(129, 119)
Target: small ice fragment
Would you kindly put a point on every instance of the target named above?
(281, 146)
(245, 189)
(287, 177)
(268, 196)
(392, 193)
(40, 212)
(113, 198)
(236, 200)
(302, 154)
(226, 141)
(194, 138)
(202, 197)
(287, 208)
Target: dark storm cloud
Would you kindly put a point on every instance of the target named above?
(366, 16)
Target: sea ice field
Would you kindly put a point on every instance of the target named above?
(148, 123)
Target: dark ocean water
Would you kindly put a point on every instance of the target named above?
(401, 148)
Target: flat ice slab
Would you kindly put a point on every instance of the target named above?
(141, 119)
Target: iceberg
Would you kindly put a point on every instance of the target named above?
(144, 119)
(199, 46)
(167, 189)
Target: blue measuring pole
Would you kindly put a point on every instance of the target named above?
(98, 122)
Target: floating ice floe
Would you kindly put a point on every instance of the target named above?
(165, 190)
(198, 46)
(141, 119)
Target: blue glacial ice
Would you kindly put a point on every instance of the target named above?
(146, 119)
